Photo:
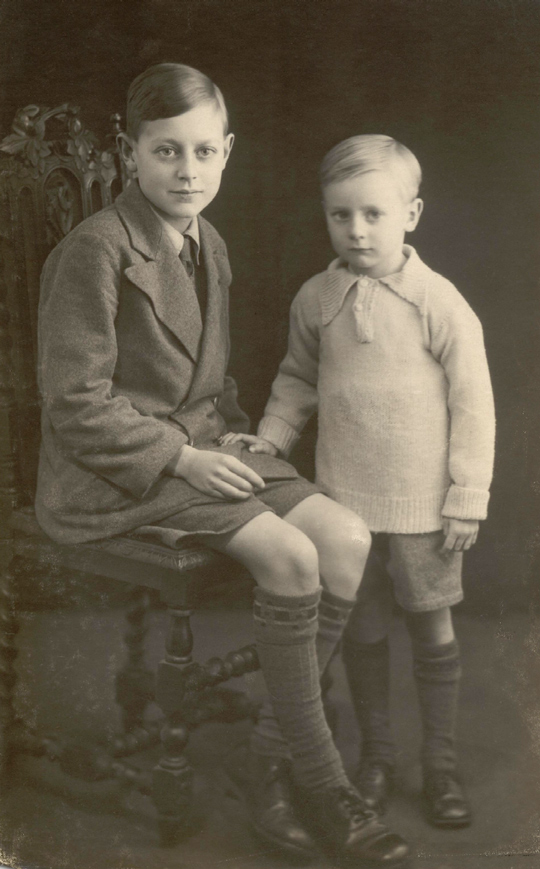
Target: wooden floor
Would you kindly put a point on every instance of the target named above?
(68, 660)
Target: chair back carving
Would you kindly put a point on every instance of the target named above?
(53, 174)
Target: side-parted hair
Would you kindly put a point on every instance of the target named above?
(368, 153)
(169, 89)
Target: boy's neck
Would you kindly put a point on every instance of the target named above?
(385, 273)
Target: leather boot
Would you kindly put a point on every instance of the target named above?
(348, 830)
(375, 781)
(265, 785)
(444, 799)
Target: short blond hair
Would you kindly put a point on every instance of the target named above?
(360, 154)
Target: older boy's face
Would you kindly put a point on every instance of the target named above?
(179, 162)
(367, 218)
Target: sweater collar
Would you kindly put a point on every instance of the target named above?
(409, 283)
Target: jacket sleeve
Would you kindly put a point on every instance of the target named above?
(294, 396)
(458, 345)
(77, 358)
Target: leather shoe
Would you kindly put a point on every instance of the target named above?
(375, 781)
(348, 830)
(445, 802)
(265, 785)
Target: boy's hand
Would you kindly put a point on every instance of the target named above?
(216, 474)
(256, 444)
(460, 534)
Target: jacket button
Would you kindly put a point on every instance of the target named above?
(216, 400)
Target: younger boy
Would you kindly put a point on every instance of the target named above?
(133, 349)
(393, 358)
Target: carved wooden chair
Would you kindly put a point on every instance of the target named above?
(52, 175)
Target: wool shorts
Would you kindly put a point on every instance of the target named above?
(413, 568)
(205, 516)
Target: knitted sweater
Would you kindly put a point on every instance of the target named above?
(397, 369)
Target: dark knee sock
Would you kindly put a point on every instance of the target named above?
(437, 673)
(367, 666)
(334, 612)
(285, 631)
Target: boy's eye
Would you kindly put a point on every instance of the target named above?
(373, 214)
(166, 152)
(206, 152)
(340, 216)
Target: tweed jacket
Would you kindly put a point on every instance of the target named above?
(126, 371)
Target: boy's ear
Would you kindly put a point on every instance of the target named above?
(125, 147)
(415, 210)
(227, 145)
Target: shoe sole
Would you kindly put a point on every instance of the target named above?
(450, 825)
(299, 855)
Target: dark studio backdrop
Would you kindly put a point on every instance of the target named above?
(456, 81)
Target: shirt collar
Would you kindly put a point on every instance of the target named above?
(409, 283)
(177, 238)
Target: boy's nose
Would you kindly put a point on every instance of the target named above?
(356, 228)
(187, 169)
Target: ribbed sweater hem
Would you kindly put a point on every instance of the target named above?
(418, 515)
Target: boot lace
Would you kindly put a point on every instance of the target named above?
(353, 805)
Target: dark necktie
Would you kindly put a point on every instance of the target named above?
(195, 275)
(186, 257)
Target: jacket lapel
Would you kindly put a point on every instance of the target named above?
(160, 275)
(208, 379)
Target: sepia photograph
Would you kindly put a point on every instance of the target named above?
(270, 434)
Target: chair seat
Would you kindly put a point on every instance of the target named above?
(179, 574)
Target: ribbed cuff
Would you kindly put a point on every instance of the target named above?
(463, 503)
(278, 432)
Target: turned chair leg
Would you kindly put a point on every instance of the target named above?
(9, 627)
(173, 777)
(135, 683)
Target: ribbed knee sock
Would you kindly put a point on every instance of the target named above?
(285, 632)
(437, 673)
(367, 666)
(334, 612)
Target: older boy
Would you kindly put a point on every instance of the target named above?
(133, 351)
(393, 357)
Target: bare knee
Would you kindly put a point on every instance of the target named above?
(294, 565)
(343, 552)
(280, 557)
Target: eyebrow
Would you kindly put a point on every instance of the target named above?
(160, 141)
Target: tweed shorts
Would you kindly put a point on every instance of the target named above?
(414, 569)
(205, 516)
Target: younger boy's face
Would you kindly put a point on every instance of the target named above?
(179, 162)
(367, 219)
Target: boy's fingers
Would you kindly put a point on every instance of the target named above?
(245, 472)
(262, 448)
(449, 543)
(228, 438)
(228, 490)
(235, 480)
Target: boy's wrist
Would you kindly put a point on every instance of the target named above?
(278, 432)
(176, 466)
(465, 503)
